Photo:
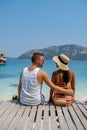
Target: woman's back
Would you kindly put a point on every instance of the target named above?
(64, 80)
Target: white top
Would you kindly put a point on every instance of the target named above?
(31, 93)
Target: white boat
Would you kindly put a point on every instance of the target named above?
(2, 57)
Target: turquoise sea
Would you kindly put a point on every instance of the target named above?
(9, 76)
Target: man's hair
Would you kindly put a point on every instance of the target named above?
(36, 55)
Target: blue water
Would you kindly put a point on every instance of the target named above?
(9, 76)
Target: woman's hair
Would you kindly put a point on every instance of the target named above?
(36, 55)
(66, 76)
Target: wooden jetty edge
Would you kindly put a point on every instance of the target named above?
(14, 116)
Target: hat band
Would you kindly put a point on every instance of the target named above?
(62, 60)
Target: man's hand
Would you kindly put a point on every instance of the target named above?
(70, 92)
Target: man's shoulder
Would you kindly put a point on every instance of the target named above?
(42, 72)
(25, 68)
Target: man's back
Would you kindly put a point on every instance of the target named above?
(31, 88)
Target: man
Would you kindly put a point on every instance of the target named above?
(31, 80)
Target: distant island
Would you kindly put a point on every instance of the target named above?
(75, 52)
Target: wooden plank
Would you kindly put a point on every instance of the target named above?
(1, 102)
(23, 121)
(46, 117)
(68, 118)
(31, 118)
(6, 113)
(84, 111)
(85, 105)
(80, 115)
(16, 120)
(4, 107)
(75, 118)
(62, 121)
(11, 116)
(18, 117)
(54, 123)
(38, 124)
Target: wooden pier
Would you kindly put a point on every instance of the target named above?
(14, 116)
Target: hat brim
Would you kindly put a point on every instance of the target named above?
(60, 64)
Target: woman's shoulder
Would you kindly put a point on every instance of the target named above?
(72, 72)
(56, 72)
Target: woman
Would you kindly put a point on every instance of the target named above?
(65, 78)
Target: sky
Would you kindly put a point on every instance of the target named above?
(36, 24)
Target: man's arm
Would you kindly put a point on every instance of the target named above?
(54, 87)
(19, 86)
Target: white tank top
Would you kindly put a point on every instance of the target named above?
(31, 93)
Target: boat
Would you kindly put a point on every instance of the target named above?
(2, 58)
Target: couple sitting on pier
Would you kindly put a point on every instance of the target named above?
(62, 85)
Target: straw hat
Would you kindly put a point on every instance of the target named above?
(62, 61)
